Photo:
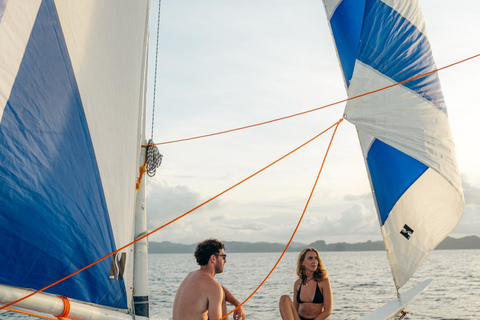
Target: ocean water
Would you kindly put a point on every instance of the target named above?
(361, 282)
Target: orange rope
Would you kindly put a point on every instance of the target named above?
(322, 107)
(66, 308)
(62, 316)
(168, 223)
(296, 228)
(31, 314)
(142, 171)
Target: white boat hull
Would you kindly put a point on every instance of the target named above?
(391, 309)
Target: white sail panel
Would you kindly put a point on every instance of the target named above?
(404, 120)
(18, 20)
(72, 95)
(431, 208)
(331, 6)
(411, 10)
(105, 65)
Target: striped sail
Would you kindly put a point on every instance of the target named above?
(404, 131)
(72, 91)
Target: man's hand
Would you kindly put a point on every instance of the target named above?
(239, 314)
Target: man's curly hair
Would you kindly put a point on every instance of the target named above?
(205, 249)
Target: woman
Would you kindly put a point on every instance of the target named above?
(312, 293)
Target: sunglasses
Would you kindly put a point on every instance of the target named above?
(222, 255)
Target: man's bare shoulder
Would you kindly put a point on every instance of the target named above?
(201, 278)
(193, 295)
(199, 281)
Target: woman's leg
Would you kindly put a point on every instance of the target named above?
(287, 310)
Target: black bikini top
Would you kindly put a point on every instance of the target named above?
(318, 298)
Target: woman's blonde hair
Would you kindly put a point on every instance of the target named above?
(318, 275)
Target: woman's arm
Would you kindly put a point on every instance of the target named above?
(327, 300)
(296, 285)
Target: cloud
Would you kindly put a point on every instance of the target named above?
(348, 218)
(166, 201)
(362, 197)
(470, 222)
(351, 218)
(249, 227)
(355, 222)
(471, 192)
(222, 218)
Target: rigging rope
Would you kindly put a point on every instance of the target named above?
(319, 108)
(153, 160)
(296, 228)
(156, 64)
(32, 314)
(171, 221)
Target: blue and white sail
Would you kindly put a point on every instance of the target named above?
(404, 131)
(72, 98)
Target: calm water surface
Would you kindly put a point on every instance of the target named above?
(361, 282)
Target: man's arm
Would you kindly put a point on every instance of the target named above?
(215, 302)
(238, 314)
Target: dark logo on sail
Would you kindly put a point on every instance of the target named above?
(406, 232)
(118, 266)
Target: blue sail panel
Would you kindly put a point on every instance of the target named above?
(3, 4)
(392, 172)
(395, 47)
(49, 178)
(346, 24)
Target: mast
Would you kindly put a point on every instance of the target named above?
(140, 273)
(140, 265)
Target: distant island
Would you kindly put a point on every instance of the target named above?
(471, 242)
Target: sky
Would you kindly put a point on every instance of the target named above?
(227, 64)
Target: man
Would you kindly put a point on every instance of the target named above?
(199, 295)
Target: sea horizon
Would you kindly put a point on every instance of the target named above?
(449, 243)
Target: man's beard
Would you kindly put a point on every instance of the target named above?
(218, 269)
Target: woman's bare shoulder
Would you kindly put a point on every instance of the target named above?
(324, 282)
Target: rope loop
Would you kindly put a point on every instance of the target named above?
(66, 308)
(154, 158)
